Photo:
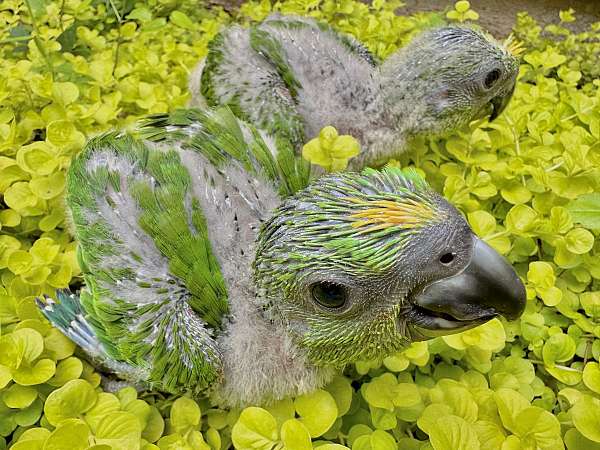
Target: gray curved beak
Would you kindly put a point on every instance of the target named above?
(487, 287)
(499, 103)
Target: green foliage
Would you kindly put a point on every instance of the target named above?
(577, 54)
(528, 184)
(462, 12)
(331, 151)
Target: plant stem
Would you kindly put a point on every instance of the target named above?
(568, 369)
(37, 40)
(495, 235)
(119, 40)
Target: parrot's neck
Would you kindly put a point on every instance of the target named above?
(400, 117)
(381, 142)
(404, 95)
(262, 364)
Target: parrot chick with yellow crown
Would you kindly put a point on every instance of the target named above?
(214, 265)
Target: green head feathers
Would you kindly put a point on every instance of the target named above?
(337, 261)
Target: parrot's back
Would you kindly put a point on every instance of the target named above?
(165, 226)
(292, 76)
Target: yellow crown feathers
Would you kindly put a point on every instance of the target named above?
(513, 46)
(382, 214)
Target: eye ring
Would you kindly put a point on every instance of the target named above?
(491, 78)
(447, 258)
(329, 295)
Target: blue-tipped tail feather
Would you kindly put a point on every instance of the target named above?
(65, 313)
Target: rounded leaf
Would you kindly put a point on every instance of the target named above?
(35, 434)
(345, 147)
(431, 415)
(380, 392)
(66, 370)
(19, 196)
(71, 434)
(256, 428)
(317, 411)
(185, 415)
(182, 20)
(453, 433)
(63, 134)
(37, 158)
(65, 93)
(29, 343)
(516, 193)
(48, 187)
(70, 401)
(105, 404)
(5, 376)
(510, 403)
(579, 241)
(521, 220)
(558, 348)
(120, 430)
(541, 274)
(38, 373)
(18, 396)
(482, 222)
(19, 262)
(295, 436)
(577, 441)
(566, 375)
(155, 426)
(341, 391)
(591, 376)
(407, 395)
(586, 418)
(538, 425)
(462, 6)
(30, 415)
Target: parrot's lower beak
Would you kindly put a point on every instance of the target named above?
(488, 286)
(499, 104)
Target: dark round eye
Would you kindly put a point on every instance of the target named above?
(447, 258)
(329, 295)
(491, 78)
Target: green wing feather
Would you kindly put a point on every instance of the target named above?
(221, 137)
(154, 293)
(269, 47)
(271, 103)
(212, 64)
(155, 297)
(284, 120)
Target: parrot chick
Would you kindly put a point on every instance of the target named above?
(212, 264)
(293, 76)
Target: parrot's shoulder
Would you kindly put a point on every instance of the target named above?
(229, 143)
(211, 66)
(248, 71)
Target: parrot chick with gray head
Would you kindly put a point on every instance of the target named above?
(213, 265)
(293, 76)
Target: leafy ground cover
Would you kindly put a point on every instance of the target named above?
(529, 184)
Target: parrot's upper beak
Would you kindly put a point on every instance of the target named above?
(488, 286)
(499, 103)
